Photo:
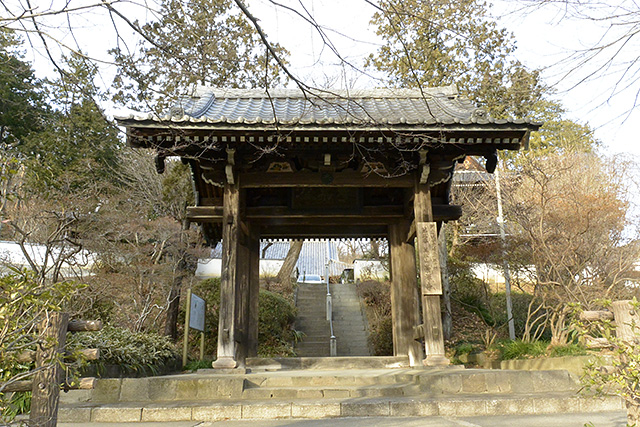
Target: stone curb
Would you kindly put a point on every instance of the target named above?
(458, 406)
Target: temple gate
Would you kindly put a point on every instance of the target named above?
(330, 164)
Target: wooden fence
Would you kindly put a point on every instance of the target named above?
(49, 368)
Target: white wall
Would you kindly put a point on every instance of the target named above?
(369, 270)
(209, 268)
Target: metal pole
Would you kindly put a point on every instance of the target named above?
(185, 343)
(505, 264)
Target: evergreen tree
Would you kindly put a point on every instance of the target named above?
(444, 42)
(207, 42)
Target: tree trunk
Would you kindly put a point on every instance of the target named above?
(171, 322)
(47, 380)
(284, 275)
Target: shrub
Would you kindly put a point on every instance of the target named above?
(132, 351)
(275, 318)
(381, 337)
(567, 350)
(522, 349)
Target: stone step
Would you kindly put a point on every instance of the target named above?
(325, 392)
(211, 410)
(355, 364)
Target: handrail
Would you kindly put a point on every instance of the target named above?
(333, 347)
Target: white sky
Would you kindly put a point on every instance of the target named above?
(544, 38)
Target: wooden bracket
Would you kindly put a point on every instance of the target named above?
(426, 169)
(411, 234)
(228, 169)
(418, 332)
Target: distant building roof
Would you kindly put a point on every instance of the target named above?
(213, 106)
(313, 256)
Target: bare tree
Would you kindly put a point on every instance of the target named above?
(567, 219)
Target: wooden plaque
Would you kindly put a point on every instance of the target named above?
(428, 260)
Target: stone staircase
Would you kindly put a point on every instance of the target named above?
(311, 320)
(349, 324)
(329, 388)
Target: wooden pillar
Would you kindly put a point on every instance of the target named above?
(405, 313)
(228, 328)
(430, 279)
(47, 380)
(254, 291)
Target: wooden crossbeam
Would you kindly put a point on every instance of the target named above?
(313, 179)
(284, 215)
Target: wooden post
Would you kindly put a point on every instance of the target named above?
(226, 357)
(254, 291)
(47, 380)
(627, 320)
(185, 341)
(430, 278)
(447, 320)
(405, 313)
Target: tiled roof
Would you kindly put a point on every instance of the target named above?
(292, 107)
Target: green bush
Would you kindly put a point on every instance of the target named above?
(275, 318)
(132, 351)
(521, 349)
(520, 306)
(568, 350)
(381, 337)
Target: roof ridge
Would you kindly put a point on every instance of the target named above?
(207, 91)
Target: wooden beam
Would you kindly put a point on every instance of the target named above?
(88, 383)
(316, 179)
(592, 316)
(320, 231)
(86, 354)
(368, 214)
(84, 325)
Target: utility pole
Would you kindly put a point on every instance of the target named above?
(505, 264)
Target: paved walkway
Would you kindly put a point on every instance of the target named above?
(603, 419)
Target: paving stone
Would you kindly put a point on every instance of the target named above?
(217, 413)
(520, 381)
(111, 414)
(74, 415)
(599, 404)
(508, 406)
(413, 408)
(106, 391)
(548, 405)
(462, 408)
(365, 409)
(265, 410)
(134, 389)
(315, 410)
(474, 383)
(166, 414)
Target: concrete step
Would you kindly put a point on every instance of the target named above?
(212, 410)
